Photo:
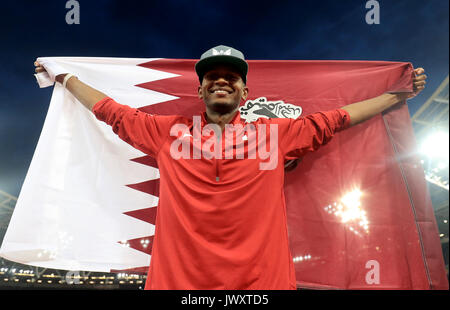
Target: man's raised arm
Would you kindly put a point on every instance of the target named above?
(87, 95)
(364, 110)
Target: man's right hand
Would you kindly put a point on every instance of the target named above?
(39, 68)
(87, 95)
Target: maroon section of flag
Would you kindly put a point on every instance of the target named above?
(137, 270)
(183, 86)
(146, 160)
(359, 215)
(147, 214)
(143, 244)
(150, 187)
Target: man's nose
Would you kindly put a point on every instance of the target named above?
(221, 81)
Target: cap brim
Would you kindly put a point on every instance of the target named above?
(202, 66)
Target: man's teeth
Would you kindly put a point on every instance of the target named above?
(220, 91)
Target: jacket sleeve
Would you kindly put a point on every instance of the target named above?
(143, 131)
(306, 134)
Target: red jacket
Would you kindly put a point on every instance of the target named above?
(221, 221)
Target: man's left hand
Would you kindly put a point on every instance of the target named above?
(419, 82)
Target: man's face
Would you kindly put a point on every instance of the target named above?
(222, 89)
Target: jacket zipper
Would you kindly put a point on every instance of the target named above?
(217, 170)
(217, 161)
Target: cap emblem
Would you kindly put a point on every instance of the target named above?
(221, 52)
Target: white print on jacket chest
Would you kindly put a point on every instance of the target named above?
(252, 110)
(260, 107)
(237, 142)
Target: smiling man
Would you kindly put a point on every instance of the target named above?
(222, 73)
(222, 90)
(221, 222)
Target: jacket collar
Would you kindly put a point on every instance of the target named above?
(235, 120)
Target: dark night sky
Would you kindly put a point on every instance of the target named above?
(410, 30)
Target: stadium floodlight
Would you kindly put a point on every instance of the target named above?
(435, 146)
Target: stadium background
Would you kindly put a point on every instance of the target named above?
(409, 30)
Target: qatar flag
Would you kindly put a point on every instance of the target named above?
(359, 213)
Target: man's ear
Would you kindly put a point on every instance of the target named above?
(244, 93)
(200, 94)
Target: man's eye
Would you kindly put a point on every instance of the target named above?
(211, 77)
(214, 77)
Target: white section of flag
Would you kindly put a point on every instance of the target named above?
(69, 214)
